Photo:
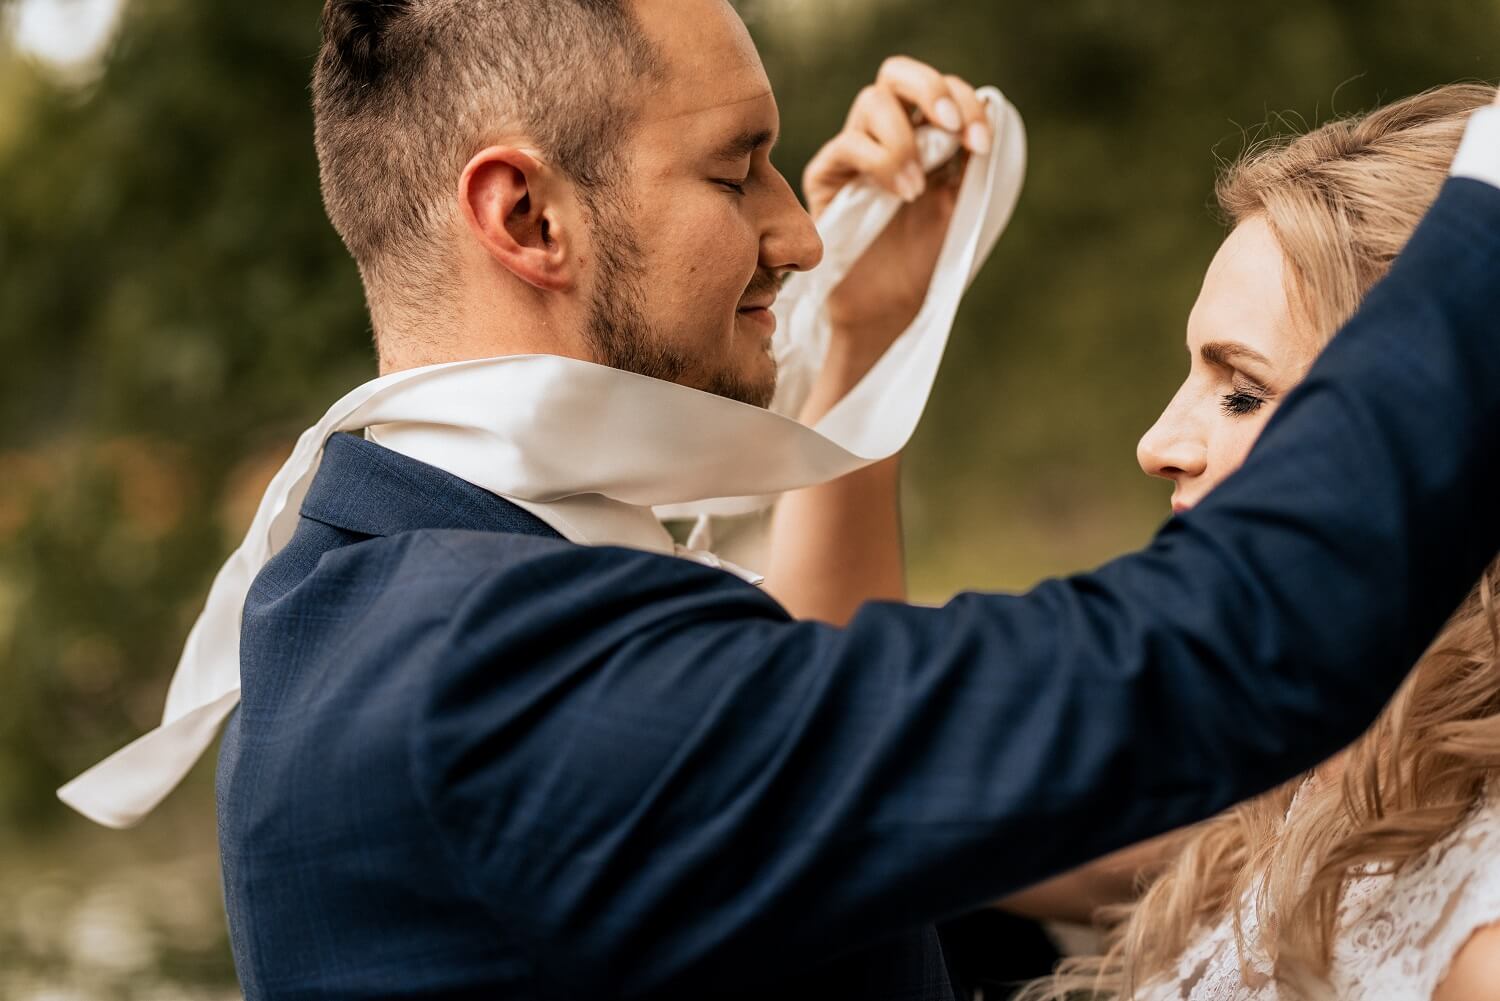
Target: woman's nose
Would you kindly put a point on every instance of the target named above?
(1171, 450)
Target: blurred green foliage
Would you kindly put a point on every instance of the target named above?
(174, 308)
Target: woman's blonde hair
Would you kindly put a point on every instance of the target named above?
(1342, 201)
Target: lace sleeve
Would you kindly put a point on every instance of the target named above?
(1402, 941)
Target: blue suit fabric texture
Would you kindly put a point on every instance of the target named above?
(474, 760)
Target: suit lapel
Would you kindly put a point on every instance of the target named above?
(364, 488)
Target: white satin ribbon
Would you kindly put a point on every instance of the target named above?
(592, 450)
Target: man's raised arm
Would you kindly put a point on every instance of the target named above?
(713, 785)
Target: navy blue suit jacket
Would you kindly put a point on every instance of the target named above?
(475, 760)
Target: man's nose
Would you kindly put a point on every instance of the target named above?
(1172, 450)
(790, 240)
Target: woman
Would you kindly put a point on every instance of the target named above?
(1378, 875)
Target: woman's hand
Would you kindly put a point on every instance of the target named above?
(883, 293)
(838, 545)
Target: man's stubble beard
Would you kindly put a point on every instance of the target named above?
(621, 336)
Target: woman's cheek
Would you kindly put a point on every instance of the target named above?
(1248, 433)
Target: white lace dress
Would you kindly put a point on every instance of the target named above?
(1398, 934)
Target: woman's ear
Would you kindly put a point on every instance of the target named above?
(516, 212)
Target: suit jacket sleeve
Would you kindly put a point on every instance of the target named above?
(659, 781)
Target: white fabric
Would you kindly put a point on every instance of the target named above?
(1397, 935)
(1479, 154)
(591, 450)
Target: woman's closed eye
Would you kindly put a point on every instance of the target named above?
(1244, 399)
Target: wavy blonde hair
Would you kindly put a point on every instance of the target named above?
(1342, 201)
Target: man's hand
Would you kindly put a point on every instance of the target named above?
(885, 290)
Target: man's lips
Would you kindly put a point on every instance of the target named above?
(759, 312)
(759, 315)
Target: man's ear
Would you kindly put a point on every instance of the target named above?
(516, 211)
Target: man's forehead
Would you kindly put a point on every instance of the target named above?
(756, 108)
(711, 62)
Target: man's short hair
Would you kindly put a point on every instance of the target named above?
(406, 91)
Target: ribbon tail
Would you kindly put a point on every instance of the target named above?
(127, 785)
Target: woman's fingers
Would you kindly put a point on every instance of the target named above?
(848, 155)
(976, 135)
(885, 119)
(947, 101)
(879, 137)
(923, 88)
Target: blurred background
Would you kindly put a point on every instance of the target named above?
(174, 309)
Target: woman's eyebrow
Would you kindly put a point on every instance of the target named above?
(1224, 354)
(742, 145)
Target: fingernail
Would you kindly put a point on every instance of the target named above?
(948, 116)
(913, 182)
(978, 138)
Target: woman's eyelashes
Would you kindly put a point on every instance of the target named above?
(1244, 399)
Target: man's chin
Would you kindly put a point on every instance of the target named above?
(756, 387)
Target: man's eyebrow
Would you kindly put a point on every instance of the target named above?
(1225, 353)
(744, 144)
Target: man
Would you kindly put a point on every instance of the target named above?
(473, 759)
